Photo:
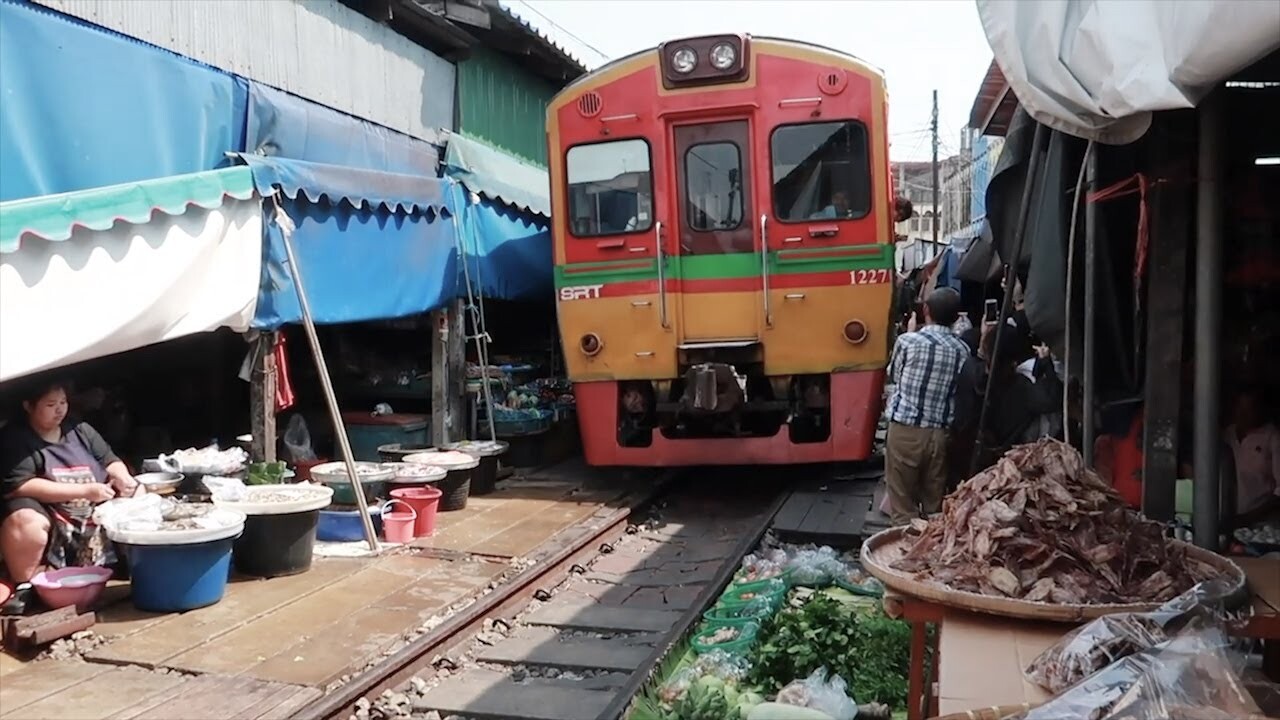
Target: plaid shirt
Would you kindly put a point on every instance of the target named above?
(924, 369)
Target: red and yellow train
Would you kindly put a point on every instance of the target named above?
(723, 231)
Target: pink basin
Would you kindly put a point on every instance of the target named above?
(79, 586)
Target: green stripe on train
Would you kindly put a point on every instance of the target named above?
(729, 266)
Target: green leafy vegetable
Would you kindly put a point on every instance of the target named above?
(868, 649)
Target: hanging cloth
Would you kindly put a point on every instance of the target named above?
(284, 388)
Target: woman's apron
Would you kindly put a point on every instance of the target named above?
(74, 538)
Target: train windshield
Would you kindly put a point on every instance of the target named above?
(714, 171)
(610, 188)
(821, 171)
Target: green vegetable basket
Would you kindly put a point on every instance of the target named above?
(773, 592)
(719, 617)
(784, 576)
(738, 646)
(868, 589)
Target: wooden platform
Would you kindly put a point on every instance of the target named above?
(271, 646)
(827, 513)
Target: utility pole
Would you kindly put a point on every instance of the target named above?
(937, 219)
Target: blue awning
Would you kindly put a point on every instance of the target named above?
(287, 126)
(497, 175)
(508, 252)
(87, 108)
(368, 189)
(369, 245)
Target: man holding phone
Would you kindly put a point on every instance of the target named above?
(923, 369)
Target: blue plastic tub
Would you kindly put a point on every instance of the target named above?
(174, 578)
(345, 525)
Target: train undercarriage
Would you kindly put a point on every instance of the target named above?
(723, 392)
(724, 409)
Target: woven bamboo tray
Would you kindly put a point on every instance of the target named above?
(999, 712)
(884, 548)
(1007, 711)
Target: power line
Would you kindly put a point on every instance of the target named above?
(565, 30)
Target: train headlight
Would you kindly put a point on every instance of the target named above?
(591, 344)
(723, 56)
(855, 331)
(684, 60)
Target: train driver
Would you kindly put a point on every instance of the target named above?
(838, 208)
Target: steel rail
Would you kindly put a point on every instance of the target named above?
(504, 602)
(643, 674)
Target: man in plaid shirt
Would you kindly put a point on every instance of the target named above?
(923, 369)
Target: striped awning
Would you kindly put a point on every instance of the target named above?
(56, 217)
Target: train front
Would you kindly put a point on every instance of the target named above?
(724, 253)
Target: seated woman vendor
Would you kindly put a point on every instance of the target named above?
(52, 473)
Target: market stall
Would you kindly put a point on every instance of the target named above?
(505, 246)
(178, 256)
(1033, 547)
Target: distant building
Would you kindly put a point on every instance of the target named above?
(914, 180)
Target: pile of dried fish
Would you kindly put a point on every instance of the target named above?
(1039, 526)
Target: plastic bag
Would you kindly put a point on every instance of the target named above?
(226, 489)
(297, 440)
(728, 668)
(1097, 644)
(717, 663)
(676, 686)
(762, 567)
(816, 692)
(815, 567)
(144, 512)
(1193, 676)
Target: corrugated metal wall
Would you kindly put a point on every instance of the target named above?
(317, 49)
(501, 103)
(986, 152)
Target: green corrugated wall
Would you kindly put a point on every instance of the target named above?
(504, 105)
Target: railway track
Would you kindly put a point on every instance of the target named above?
(577, 634)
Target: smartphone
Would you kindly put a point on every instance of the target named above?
(991, 311)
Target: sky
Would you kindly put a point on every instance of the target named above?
(921, 45)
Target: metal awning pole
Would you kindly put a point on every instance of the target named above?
(1208, 352)
(1088, 426)
(1010, 279)
(326, 383)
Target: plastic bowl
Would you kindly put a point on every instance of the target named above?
(79, 586)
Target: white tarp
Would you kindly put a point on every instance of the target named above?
(1097, 68)
(103, 292)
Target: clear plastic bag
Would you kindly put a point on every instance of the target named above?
(763, 567)
(730, 669)
(676, 686)
(297, 440)
(144, 512)
(226, 489)
(1097, 644)
(1193, 676)
(815, 567)
(816, 692)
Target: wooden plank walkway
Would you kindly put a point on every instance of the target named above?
(833, 515)
(81, 690)
(271, 646)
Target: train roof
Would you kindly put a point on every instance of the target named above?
(838, 55)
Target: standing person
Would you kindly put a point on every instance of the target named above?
(53, 472)
(923, 369)
(1255, 446)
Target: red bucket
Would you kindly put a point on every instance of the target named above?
(424, 501)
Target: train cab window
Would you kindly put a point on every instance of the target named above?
(821, 171)
(610, 188)
(713, 184)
